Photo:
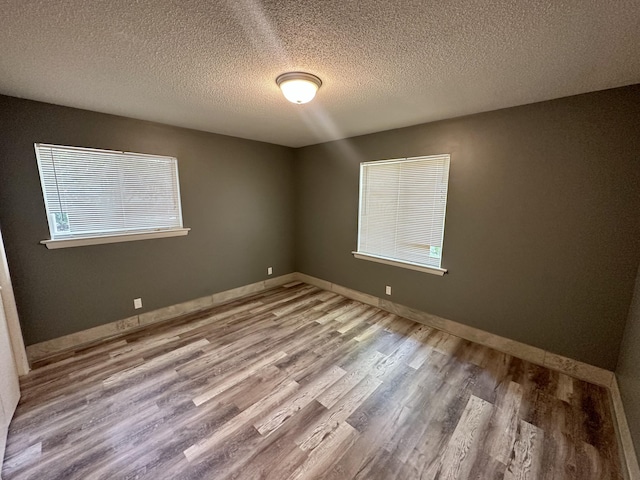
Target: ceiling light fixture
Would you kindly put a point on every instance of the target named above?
(298, 87)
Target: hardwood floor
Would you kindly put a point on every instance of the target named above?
(301, 383)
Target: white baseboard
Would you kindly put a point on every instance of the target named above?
(624, 434)
(574, 368)
(49, 348)
(583, 371)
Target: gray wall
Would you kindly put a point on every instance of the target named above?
(237, 198)
(542, 236)
(628, 371)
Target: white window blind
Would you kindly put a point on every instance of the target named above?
(93, 193)
(402, 209)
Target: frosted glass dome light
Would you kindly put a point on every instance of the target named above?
(298, 87)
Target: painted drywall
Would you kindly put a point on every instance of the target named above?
(542, 235)
(628, 371)
(237, 198)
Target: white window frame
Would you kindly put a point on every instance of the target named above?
(135, 233)
(398, 262)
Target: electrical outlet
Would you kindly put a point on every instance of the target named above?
(270, 271)
(137, 303)
(387, 290)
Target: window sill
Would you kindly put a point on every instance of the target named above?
(129, 237)
(396, 263)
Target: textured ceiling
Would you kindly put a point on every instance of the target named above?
(211, 65)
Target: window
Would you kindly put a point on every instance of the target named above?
(103, 196)
(402, 212)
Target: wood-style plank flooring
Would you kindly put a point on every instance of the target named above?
(301, 383)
